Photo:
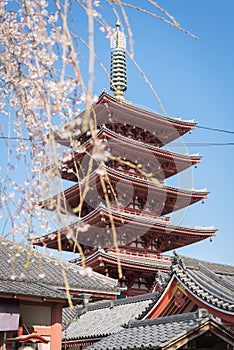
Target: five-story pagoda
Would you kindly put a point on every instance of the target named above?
(119, 197)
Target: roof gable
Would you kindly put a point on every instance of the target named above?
(205, 284)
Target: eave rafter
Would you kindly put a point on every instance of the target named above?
(162, 163)
(138, 261)
(108, 110)
(127, 227)
(164, 199)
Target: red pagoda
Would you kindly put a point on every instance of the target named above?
(120, 198)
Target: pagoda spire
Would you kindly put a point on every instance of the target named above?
(118, 76)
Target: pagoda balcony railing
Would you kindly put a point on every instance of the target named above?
(141, 212)
(165, 258)
(131, 172)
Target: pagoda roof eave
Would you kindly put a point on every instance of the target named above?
(191, 234)
(104, 95)
(126, 259)
(177, 123)
(104, 131)
(202, 284)
(103, 210)
(180, 162)
(94, 179)
(137, 179)
(190, 124)
(144, 220)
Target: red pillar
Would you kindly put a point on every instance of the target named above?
(56, 326)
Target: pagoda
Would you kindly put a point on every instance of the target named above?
(120, 198)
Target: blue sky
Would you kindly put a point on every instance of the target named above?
(194, 79)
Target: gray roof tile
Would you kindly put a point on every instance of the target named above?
(131, 259)
(36, 272)
(30, 289)
(204, 279)
(104, 318)
(154, 333)
(212, 282)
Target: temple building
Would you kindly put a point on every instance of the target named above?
(193, 289)
(116, 158)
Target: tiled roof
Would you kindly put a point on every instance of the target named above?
(27, 271)
(151, 262)
(182, 197)
(211, 282)
(147, 220)
(143, 109)
(29, 289)
(160, 151)
(106, 106)
(104, 318)
(139, 224)
(155, 333)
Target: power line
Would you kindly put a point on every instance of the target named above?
(214, 129)
(14, 138)
(200, 144)
(203, 144)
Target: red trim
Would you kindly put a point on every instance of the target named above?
(35, 338)
(163, 302)
(175, 198)
(134, 264)
(104, 97)
(167, 298)
(223, 316)
(56, 327)
(180, 161)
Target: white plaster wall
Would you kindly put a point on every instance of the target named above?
(44, 346)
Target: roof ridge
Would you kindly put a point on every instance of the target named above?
(219, 278)
(215, 294)
(123, 301)
(186, 260)
(199, 314)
